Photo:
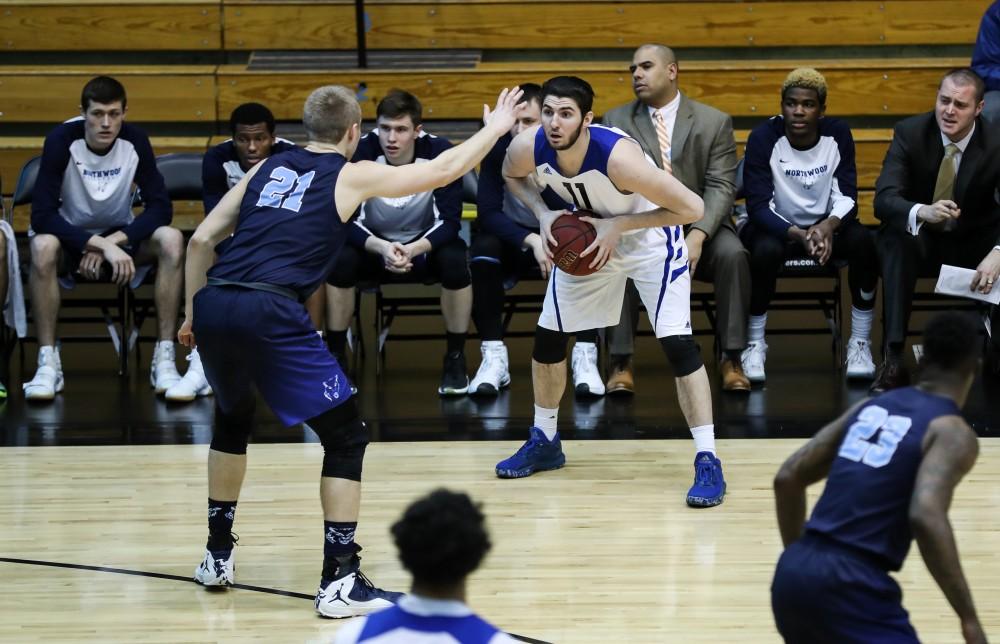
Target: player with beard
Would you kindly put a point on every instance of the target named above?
(641, 211)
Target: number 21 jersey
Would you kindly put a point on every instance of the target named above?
(288, 233)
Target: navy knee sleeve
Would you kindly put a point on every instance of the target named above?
(683, 353)
(232, 430)
(344, 437)
(550, 346)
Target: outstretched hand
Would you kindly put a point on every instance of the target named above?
(503, 116)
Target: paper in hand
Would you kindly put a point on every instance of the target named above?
(955, 281)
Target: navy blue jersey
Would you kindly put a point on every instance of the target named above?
(866, 502)
(288, 233)
(221, 170)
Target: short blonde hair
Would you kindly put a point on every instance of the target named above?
(329, 112)
(805, 78)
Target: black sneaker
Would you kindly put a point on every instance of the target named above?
(455, 376)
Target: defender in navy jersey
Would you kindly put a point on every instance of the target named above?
(287, 217)
(801, 188)
(222, 167)
(82, 225)
(414, 237)
(508, 245)
(892, 464)
(641, 209)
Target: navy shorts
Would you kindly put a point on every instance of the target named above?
(249, 338)
(823, 592)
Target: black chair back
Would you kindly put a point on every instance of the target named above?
(182, 173)
(25, 188)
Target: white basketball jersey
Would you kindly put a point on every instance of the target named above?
(590, 188)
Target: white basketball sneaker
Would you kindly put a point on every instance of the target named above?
(587, 380)
(216, 571)
(859, 362)
(163, 370)
(352, 594)
(193, 384)
(494, 370)
(48, 380)
(753, 358)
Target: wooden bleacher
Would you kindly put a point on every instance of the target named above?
(235, 25)
(741, 78)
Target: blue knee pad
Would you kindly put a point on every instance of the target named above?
(683, 353)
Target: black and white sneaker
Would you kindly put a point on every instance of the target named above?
(351, 594)
(455, 377)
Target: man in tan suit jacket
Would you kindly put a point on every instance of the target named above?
(697, 142)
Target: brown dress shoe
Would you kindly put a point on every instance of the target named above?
(891, 375)
(621, 381)
(733, 378)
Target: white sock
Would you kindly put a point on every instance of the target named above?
(704, 438)
(755, 328)
(545, 420)
(861, 324)
(160, 343)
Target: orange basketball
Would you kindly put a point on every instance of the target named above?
(573, 236)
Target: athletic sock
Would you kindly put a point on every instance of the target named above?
(861, 323)
(221, 515)
(546, 420)
(338, 546)
(704, 438)
(456, 342)
(755, 328)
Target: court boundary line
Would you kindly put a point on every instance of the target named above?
(169, 577)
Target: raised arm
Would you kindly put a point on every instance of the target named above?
(363, 180)
(950, 450)
(630, 171)
(809, 464)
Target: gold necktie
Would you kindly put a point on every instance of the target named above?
(944, 187)
(664, 139)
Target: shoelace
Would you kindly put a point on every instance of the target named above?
(531, 444)
(366, 585)
(704, 474)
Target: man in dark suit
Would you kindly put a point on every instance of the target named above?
(937, 198)
(696, 143)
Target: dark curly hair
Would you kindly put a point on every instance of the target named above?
(441, 538)
(951, 341)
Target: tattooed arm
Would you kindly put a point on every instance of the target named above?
(809, 464)
(950, 449)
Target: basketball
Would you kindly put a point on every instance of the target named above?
(573, 236)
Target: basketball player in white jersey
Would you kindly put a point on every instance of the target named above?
(641, 210)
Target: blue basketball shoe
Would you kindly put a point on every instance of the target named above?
(709, 485)
(536, 455)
